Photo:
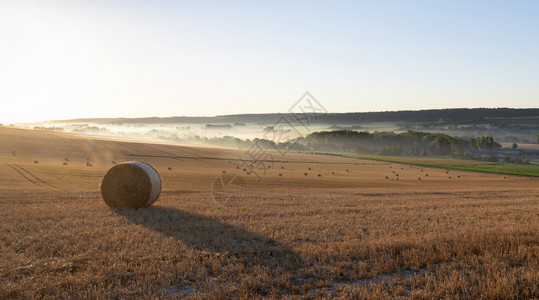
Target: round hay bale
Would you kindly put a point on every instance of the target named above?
(131, 184)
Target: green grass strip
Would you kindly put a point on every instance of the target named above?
(456, 164)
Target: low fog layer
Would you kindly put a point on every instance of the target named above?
(487, 138)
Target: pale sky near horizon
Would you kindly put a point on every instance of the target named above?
(71, 59)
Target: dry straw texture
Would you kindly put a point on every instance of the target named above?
(131, 184)
(348, 235)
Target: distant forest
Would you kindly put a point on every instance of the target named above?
(382, 143)
(457, 115)
(389, 143)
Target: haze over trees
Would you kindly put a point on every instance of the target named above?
(503, 124)
(389, 143)
(384, 143)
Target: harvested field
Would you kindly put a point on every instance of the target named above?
(356, 230)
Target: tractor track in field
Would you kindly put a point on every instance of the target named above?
(29, 176)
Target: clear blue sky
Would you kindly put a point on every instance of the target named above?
(68, 59)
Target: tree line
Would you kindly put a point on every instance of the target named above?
(364, 142)
(390, 143)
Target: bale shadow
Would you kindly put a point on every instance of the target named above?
(207, 234)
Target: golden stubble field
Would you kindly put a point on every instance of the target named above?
(349, 232)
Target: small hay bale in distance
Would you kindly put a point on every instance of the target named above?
(131, 184)
(35, 161)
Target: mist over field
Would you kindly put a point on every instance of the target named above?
(191, 132)
(504, 125)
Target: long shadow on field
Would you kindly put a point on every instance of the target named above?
(205, 233)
